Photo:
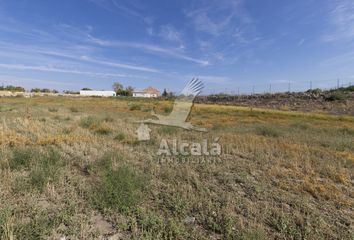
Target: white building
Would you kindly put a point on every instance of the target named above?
(149, 92)
(92, 93)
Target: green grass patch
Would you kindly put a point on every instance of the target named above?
(90, 122)
(135, 107)
(52, 109)
(268, 131)
(22, 158)
(119, 189)
(74, 110)
(43, 166)
(119, 137)
(46, 169)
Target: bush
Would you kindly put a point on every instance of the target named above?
(120, 137)
(103, 130)
(43, 167)
(108, 119)
(46, 169)
(134, 107)
(335, 97)
(267, 131)
(74, 109)
(90, 122)
(119, 189)
(52, 109)
(22, 158)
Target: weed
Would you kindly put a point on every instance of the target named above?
(268, 131)
(74, 109)
(168, 130)
(119, 189)
(120, 137)
(103, 129)
(52, 109)
(45, 169)
(6, 224)
(90, 122)
(335, 97)
(300, 125)
(135, 107)
(167, 109)
(346, 131)
(22, 158)
(108, 119)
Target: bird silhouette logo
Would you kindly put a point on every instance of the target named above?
(181, 108)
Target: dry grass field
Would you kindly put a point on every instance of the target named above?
(73, 168)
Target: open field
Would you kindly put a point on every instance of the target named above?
(73, 167)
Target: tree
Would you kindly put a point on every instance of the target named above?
(86, 89)
(35, 90)
(12, 88)
(129, 91)
(45, 90)
(117, 87)
(164, 93)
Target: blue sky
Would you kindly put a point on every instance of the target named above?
(230, 45)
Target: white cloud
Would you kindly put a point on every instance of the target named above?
(131, 9)
(22, 67)
(214, 79)
(150, 48)
(341, 20)
(168, 32)
(218, 17)
(34, 53)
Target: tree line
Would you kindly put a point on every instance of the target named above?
(117, 87)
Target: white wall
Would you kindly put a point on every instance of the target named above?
(145, 95)
(98, 93)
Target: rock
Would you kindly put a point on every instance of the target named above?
(189, 220)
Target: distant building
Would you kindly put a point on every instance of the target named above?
(92, 93)
(6, 94)
(149, 92)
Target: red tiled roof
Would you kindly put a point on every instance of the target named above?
(151, 90)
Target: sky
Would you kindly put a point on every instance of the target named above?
(233, 46)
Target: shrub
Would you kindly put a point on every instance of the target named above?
(168, 130)
(268, 131)
(300, 125)
(21, 158)
(346, 131)
(134, 107)
(167, 109)
(103, 130)
(74, 109)
(108, 119)
(120, 137)
(119, 189)
(52, 109)
(335, 97)
(46, 169)
(90, 122)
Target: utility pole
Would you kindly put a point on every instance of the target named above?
(253, 87)
(270, 88)
(238, 91)
(337, 83)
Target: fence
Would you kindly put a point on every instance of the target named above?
(279, 87)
